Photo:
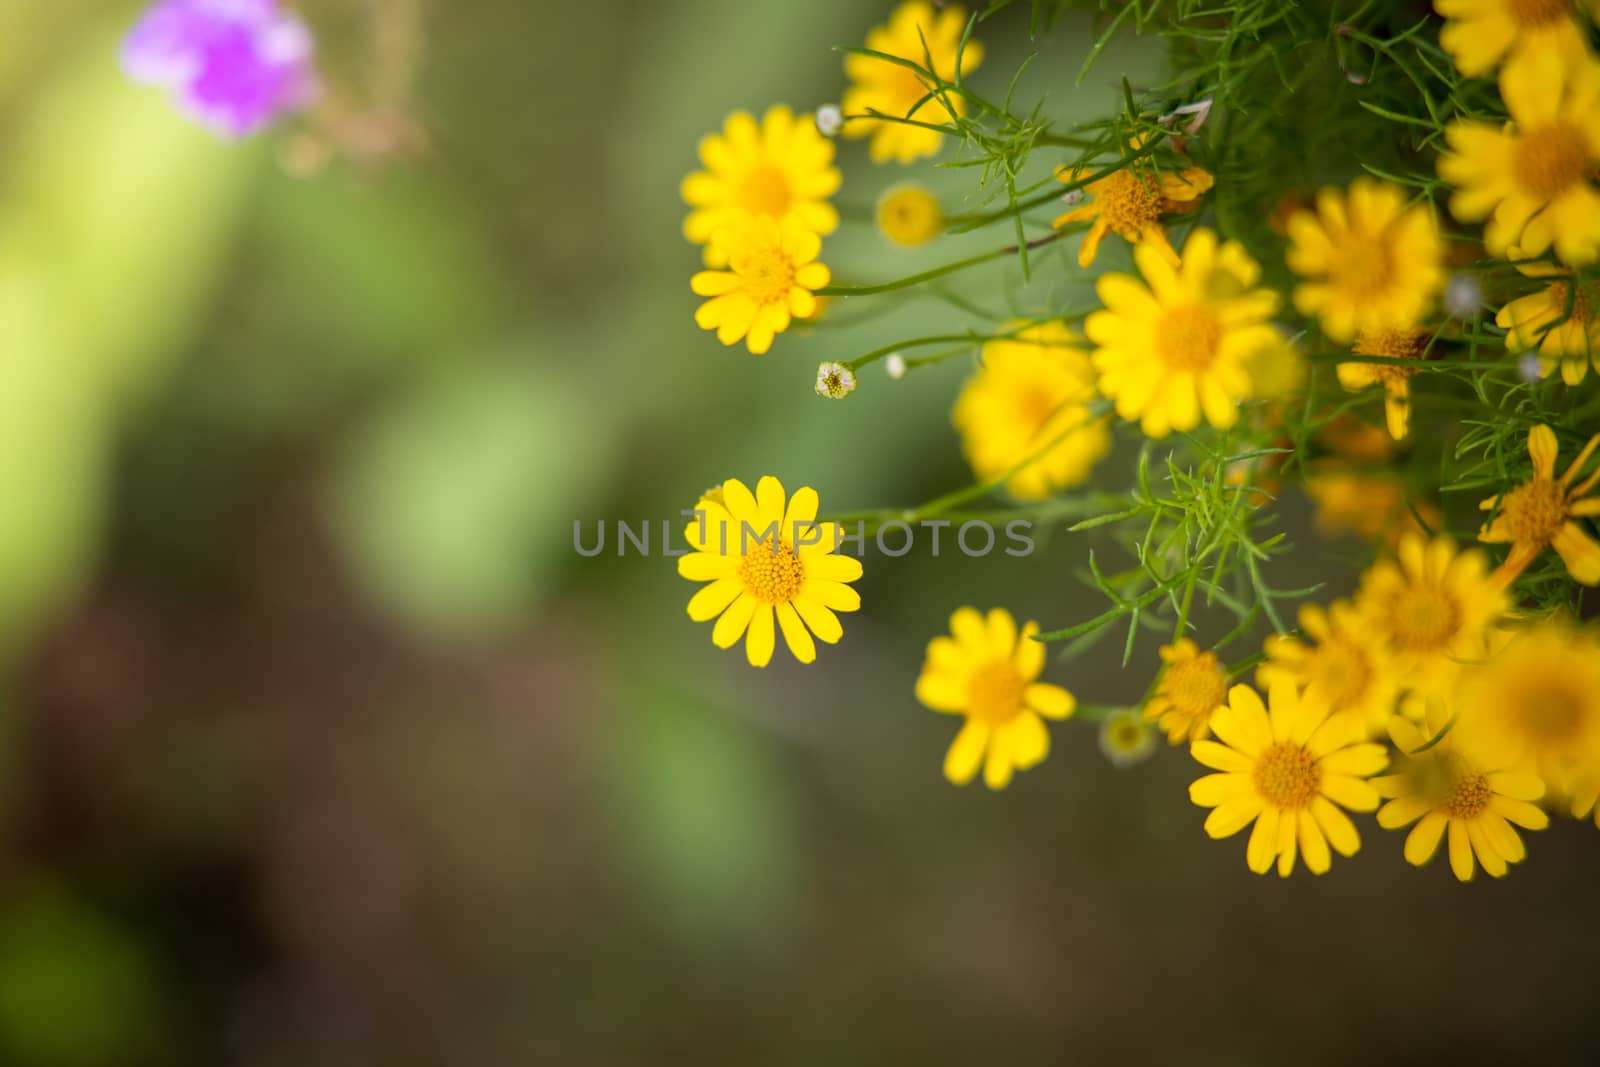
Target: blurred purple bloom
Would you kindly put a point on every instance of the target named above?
(235, 65)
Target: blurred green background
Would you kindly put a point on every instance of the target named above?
(319, 744)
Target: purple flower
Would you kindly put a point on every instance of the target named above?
(235, 65)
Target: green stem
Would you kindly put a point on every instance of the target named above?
(939, 272)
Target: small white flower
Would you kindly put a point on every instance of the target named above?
(835, 380)
(1463, 297)
(1126, 738)
(895, 364)
(1200, 109)
(829, 120)
(1072, 197)
(1528, 368)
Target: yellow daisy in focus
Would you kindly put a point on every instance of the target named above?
(1370, 262)
(1030, 399)
(771, 277)
(1191, 687)
(1337, 663)
(1394, 377)
(1536, 704)
(1289, 770)
(767, 560)
(1545, 512)
(1176, 346)
(915, 32)
(909, 216)
(781, 169)
(1481, 32)
(1461, 789)
(1534, 179)
(1432, 609)
(986, 671)
(1130, 202)
(1561, 321)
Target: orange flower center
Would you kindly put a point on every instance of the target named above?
(1534, 511)
(1196, 688)
(1551, 713)
(768, 275)
(1363, 266)
(1128, 202)
(1532, 14)
(765, 191)
(1424, 619)
(772, 574)
(1392, 344)
(1287, 776)
(1551, 159)
(1188, 337)
(995, 691)
(1468, 795)
(1561, 293)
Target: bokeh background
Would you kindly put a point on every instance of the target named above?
(319, 744)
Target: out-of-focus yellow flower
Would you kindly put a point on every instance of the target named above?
(1534, 178)
(915, 32)
(1030, 391)
(1289, 771)
(1370, 262)
(781, 169)
(1561, 321)
(771, 275)
(1480, 33)
(1338, 663)
(767, 560)
(1130, 202)
(908, 215)
(1547, 512)
(1175, 347)
(986, 672)
(1374, 505)
(1191, 687)
(1394, 377)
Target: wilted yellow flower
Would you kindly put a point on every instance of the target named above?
(1432, 609)
(986, 672)
(1370, 262)
(1126, 739)
(1030, 391)
(1176, 346)
(772, 272)
(1395, 377)
(1481, 32)
(1466, 789)
(1546, 512)
(915, 32)
(1562, 321)
(1338, 664)
(1192, 686)
(1130, 202)
(908, 215)
(1533, 179)
(767, 559)
(1536, 705)
(1289, 771)
(781, 170)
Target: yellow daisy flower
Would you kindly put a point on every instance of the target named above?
(1536, 704)
(771, 277)
(986, 672)
(766, 558)
(1481, 32)
(1561, 320)
(781, 170)
(1130, 201)
(1534, 179)
(1031, 390)
(1176, 347)
(1459, 788)
(915, 32)
(1289, 771)
(1375, 506)
(1192, 686)
(909, 216)
(1337, 663)
(1370, 262)
(1431, 609)
(1544, 512)
(1395, 378)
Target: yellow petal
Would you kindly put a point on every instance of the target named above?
(1051, 701)
(731, 626)
(710, 600)
(759, 642)
(1423, 840)
(795, 635)
(966, 752)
